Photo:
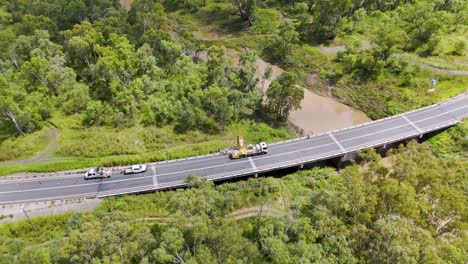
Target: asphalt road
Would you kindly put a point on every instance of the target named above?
(171, 174)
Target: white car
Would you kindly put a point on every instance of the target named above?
(135, 169)
(97, 173)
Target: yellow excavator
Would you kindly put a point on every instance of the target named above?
(251, 150)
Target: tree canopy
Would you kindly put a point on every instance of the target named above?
(414, 212)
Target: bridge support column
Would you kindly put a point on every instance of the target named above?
(301, 166)
(340, 162)
(382, 150)
(256, 175)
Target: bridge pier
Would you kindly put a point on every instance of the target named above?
(429, 135)
(382, 150)
(341, 161)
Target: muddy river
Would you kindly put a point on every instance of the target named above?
(318, 113)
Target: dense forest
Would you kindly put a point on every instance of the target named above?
(414, 212)
(116, 68)
(90, 73)
(157, 80)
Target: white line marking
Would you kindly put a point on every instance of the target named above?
(337, 143)
(411, 123)
(277, 146)
(252, 163)
(155, 176)
(289, 143)
(167, 174)
(393, 118)
(269, 156)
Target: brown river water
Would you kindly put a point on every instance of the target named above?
(317, 113)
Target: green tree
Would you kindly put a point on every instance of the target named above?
(31, 23)
(328, 16)
(247, 9)
(170, 247)
(284, 95)
(8, 106)
(385, 41)
(219, 69)
(149, 15)
(422, 27)
(216, 104)
(247, 71)
(278, 46)
(76, 99)
(97, 113)
(392, 241)
(34, 256)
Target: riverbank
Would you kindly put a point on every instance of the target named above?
(317, 113)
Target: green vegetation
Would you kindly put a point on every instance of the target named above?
(12, 148)
(415, 212)
(284, 95)
(77, 148)
(159, 82)
(452, 143)
(118, 92)
(162, 66)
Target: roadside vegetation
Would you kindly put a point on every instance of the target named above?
(118, 88)
(101, 146)
(159, 82)
(165, 67)
(415, 212)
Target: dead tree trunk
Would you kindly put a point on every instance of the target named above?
(14, 60)
(12, 118)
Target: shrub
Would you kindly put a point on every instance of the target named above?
(459, 48)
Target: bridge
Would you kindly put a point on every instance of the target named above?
(170, 174)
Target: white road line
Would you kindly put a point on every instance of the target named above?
(411, 123)
(181, 162)
(39, 177)
(269, 156)
(337, 143)
(155, 176)
(77, 186)
(393, 118)
(282, 145)
(252, 163)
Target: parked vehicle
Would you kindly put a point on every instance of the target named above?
(97, 173)
(251, 150)
(135, 169)
(240, 151)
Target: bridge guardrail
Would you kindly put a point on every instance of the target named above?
(281, 165)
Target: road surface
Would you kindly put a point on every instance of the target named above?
(171, 174)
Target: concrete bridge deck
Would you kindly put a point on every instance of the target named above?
(290, 153)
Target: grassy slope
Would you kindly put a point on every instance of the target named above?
(218, 23)
(85, 147)
(80, 147)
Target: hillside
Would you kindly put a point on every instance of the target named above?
(415, 212)
(167, 71)
(109, 83)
